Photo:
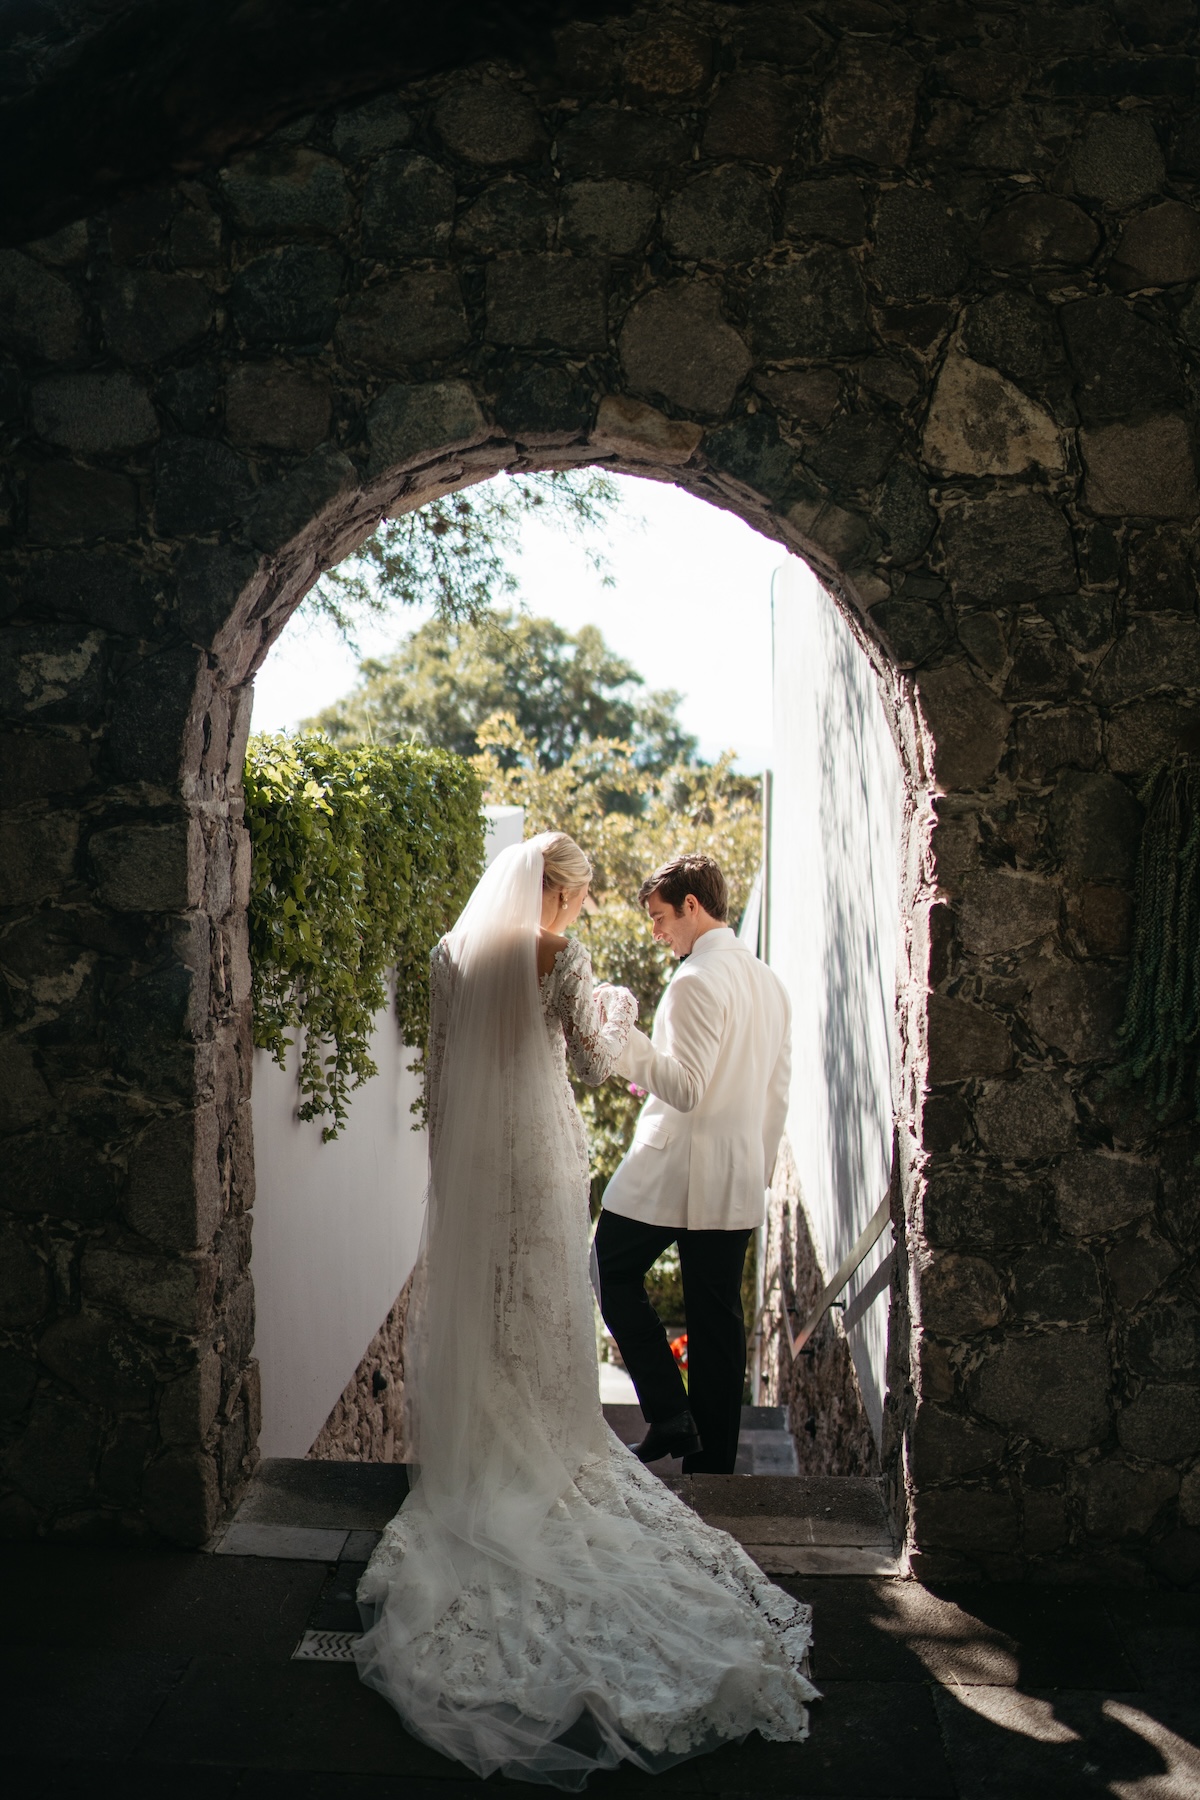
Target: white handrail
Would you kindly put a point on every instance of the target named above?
(845, 1269)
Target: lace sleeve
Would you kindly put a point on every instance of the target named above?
(440, 969)
(597, 1020)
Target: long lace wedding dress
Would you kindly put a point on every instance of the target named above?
(541, 1604)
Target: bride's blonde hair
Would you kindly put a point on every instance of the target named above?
(563, 862)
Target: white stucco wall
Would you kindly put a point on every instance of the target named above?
(337, 1226)
(833, 916)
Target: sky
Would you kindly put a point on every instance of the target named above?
(690, 609)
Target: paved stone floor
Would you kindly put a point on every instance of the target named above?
(146, 1673)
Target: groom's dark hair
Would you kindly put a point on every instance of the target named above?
(684, 875)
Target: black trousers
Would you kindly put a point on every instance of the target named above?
(711, 1263)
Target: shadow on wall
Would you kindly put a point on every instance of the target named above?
(836, 815)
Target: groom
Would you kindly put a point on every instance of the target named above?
(717, 1070)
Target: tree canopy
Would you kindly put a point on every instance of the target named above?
(563, 689)
(456, 552)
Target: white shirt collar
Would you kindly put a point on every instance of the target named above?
(722, 938)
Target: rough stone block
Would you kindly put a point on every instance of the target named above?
(53, 1462)
(1054, 739)
(1075, 1007)
(1055, 1284)
(802, 396)
(1052, 1388)
(182, 1496)
(752, 116)
(102, 1359)
(1166, 1341)
(18, 1378)
(40, 314)
(409, 425)
(722, 216)
(812, 307)
(1097, 824)
(288, 296)
(1137, 1266)
(1146, 469)
(1162, 570)
(669, 62)
(1008, 547)
(380, 124)
(175, 1289)
(831, 209)
(752, 451)
(48, 671)
(24, 1281)
(543, 405)
(414, 318)
(903, 510)
(968, 724)
(149, 868)
(1018, 334)
(1030, 1116)
(889, 379)
(88, 413)
(124, 1460)
(631, 428)
(238, 1323)
(512, 215)
(1097, 1192)
(919, 247)
(601, 144)
(1117, 160)
(869, 108)
(1037, 229)
(189, 1403)
(408, 207)
(1162, 1424)
(1124, 363)
(676, 342)
(157, 714)
(968, 1519)
(37, 858)
(960, 1295)
(910, 631)
(1152, 653)
(1121, 1502)
(980, 424)
(148, 317)
(70, 505)
(276, 407)
(286, 191)
(553, 299)
(1160, 248)
(1106, 919)
(302, 501)
(488, 123)
(854, 452)
(1189, 1497)
(196, 239)
(947, 1446)
(776, 34)
(612, 218)
(24, 1096)
(199, 486)
(173, 1196)
(1045, 1523)
(964, 1041)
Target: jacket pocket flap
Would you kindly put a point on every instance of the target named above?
(655, 1132)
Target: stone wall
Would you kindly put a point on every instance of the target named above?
(367, 1424)
(912, 291)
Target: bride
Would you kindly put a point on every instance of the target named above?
(541, 1604)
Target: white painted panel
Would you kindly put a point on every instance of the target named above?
(834, 913)
(337, 1226)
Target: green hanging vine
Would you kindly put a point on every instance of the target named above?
(362, 858)
(1161, 1025)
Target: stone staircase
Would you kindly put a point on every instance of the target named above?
(791, 1524)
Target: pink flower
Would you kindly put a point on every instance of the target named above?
(637, 1092)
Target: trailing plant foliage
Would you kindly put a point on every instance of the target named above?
(362, 858)
(1161, 1026)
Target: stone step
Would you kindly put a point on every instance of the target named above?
(328, 1512)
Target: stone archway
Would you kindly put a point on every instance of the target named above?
(870, 287)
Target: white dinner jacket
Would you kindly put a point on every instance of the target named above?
(717, 1069)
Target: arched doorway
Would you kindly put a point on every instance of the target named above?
(228, 384)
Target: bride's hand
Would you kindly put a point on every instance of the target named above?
(606, 993)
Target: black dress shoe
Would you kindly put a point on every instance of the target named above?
(674, 1437)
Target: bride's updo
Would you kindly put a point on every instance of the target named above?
(563, 863)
